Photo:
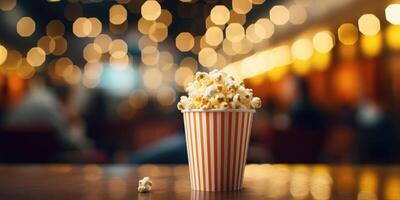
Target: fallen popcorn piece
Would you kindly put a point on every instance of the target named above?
(145, 185)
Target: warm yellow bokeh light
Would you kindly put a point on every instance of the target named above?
(234, 32)
(150, 55)
(158, 32)
(119, 63)
(184, 41)
(72, 75)
(145, 41)
(61, 46)
(3, 54)
(144, 25)
(183, 75)
(242, 6)
(321, 61)
(166, 96)
(251, 34)
(118, 48)
(26, 26)
(298, 14)
(7, 5)
(227, 48)
(302, 49)
(392, 13)
(369, 24)
(97, 27)
(348, 34)
(82, 27)
(103, 41)
(152, 78)
(25, 70)
(118, 14)
(257, 2)
(55, 28)
(323, 41)
(207, 57)
(189, 62)
(151, 10)
(36, 56)
(279, 15)
(219, 15)
(392, 36)
(165, 17)
(214, 36)
(92, 53)
(264, 28)
(371, 46)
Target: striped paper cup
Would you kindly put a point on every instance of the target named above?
(217, 143)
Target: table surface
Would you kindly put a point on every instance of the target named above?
(172, 182)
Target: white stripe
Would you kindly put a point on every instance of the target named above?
(232, 139)
(193, 135)
(204, 119)
(237, 164)
(187, 147)
(226, 123)
(212, 150)
(218, 152)
(248, 140)
(199, 153)
(242, 150)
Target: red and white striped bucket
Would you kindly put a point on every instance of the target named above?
(217, 143)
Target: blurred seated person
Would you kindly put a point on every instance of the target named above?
(50, 107)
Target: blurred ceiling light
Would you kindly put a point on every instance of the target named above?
(183, 75)
(118, 14)
(118, 48)
(207, 57)
(55, 28)
(392, 37)
(348, 34)
(158, 32)
(236, 18)
(257, 2)
(26, 26)
(371, 46)
(234, 32)
(13, 60)
(302, 49)
(150, 55)
(227, 48)
(219, 15)
(145, 41)
(92, 53)
(298, 14)
(251, 34)
(25, 70)
(369, 24)
(152, 78)
(61, 46)
(242, 6)
(7, 5)
(323, 41)
(36, 56)
(165, 17)
(184, 41)
(392, 13)
(166, 96)
(279, 15)
(151, 10)
(96, 27)
(264, 28)
(103, 41)
(3, 54)
(189, 62)
(144, 25)
(82, 27)
(214, 36)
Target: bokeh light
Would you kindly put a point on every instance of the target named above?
(55, 28)
(369, 24)
(184, 41)
(3, 54)
(36, 56)
(392, 13)
(348, 34)
(207, 57)
(26, 26)
(92, 53)
(214, 36)
(219, 15)
(82, 27)
(298, 14)
(263, 28)
(302, 49)
(323, 41)
(7, 5)
(279, 15)
(158, 32)
(118, 14)
(103, 41)
(234, 32)
(151, 10)
(242, 6)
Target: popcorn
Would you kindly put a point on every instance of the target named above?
(217, 90)
(145, 185)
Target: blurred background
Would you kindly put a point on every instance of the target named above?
(97, 81)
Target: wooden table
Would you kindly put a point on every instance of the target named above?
(172, 182)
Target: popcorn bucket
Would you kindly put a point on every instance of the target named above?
(217, 143)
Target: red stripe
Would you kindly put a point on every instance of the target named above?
(242, 141)
(197, 151)
(187, 146)
(191, 148)
(222, 149)
(228, 170)
(215, 151)
(208, 149)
